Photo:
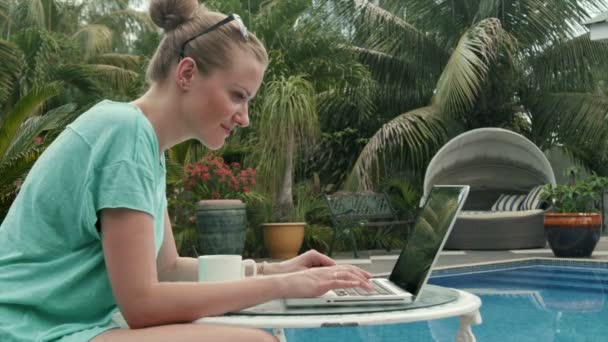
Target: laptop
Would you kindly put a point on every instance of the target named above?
(413, 267)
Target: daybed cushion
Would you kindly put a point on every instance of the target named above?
(498, 214)
(508, 202)
(533, 199)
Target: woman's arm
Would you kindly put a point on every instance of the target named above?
(128, 244)
(170, 266)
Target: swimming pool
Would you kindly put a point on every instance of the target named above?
(533, 300)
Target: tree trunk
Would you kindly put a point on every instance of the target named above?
(285, 198)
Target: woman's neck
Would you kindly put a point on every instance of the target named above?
(159, 105)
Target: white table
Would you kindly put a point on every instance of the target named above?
(466, 306)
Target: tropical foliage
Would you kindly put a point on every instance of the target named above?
(444, 67)
(308, 78)
(579, 195)
(358, 93)
(58, 56)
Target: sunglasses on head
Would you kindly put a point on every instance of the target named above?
(229, 18)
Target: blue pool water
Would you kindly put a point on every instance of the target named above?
(531, 303)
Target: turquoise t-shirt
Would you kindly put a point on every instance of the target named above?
(54, 284)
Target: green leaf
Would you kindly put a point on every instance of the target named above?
(462, 79)
(407, 141)
(94, 39)
(10, 69)
(27, 106)
(24, 138)
(15, 168)
(572, 119)
(123, 61)
(569, 65)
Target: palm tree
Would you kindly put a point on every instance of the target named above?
(288, 124)
(51, 62)
(58, 47)
(444, 67)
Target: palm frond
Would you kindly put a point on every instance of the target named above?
(379, 29)
(408, 141)
(35, 14)
(288, 116)
(94, 39)
(119, 17)
(461, 81)
(344, 107)
(40, 49)
(408, 82)
(446, 20)
(490, 9)
(10, 69)
(13, 169)
(537, 24)
(4, 12)
(28, 105)
(76, 75)
(32, 127)
(175, 170)
(121, 60)
(570, 119)
(118, 78)
(289, 103)
(568, 66)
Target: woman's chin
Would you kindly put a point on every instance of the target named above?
(215, 145)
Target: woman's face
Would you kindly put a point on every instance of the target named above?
(215, 104)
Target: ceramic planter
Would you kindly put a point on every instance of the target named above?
(221, 226)
(573, 235)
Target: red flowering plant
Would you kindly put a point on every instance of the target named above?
(212, 178)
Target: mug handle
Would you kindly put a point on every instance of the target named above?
(249, 262)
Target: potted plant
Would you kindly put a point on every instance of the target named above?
(221, 191)
(288, 126)
(285, 237)
(573, 225)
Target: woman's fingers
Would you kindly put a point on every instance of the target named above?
(357, 270)
(321, 260)
(349, 278)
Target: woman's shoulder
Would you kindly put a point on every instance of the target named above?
(107, 116)
(111, 127)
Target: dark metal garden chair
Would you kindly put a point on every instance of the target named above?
(350, 210)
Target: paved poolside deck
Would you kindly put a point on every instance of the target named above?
(382, 262)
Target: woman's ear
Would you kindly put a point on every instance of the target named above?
(186, 69)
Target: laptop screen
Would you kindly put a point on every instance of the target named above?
(428, 237)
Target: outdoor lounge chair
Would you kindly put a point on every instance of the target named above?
(492, 161)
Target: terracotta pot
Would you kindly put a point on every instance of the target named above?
(284, 240)
(573, 234)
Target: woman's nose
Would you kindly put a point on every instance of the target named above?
(242, 116)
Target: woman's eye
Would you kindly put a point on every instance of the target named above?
(239, 96)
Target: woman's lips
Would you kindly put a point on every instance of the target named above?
(227, 130)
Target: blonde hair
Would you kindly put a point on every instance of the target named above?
(182, 20)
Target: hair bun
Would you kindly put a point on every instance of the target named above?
(169, 14)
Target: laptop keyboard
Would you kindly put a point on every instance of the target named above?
(377, 289)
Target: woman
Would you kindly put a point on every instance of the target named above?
(89, 233)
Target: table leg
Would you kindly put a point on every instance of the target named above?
(464, 333)
(280, 334)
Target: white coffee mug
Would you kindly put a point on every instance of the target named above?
(214, 268)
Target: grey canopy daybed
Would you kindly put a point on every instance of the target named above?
(493, 162)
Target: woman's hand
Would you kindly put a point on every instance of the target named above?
(302, 262)
(316, 281)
